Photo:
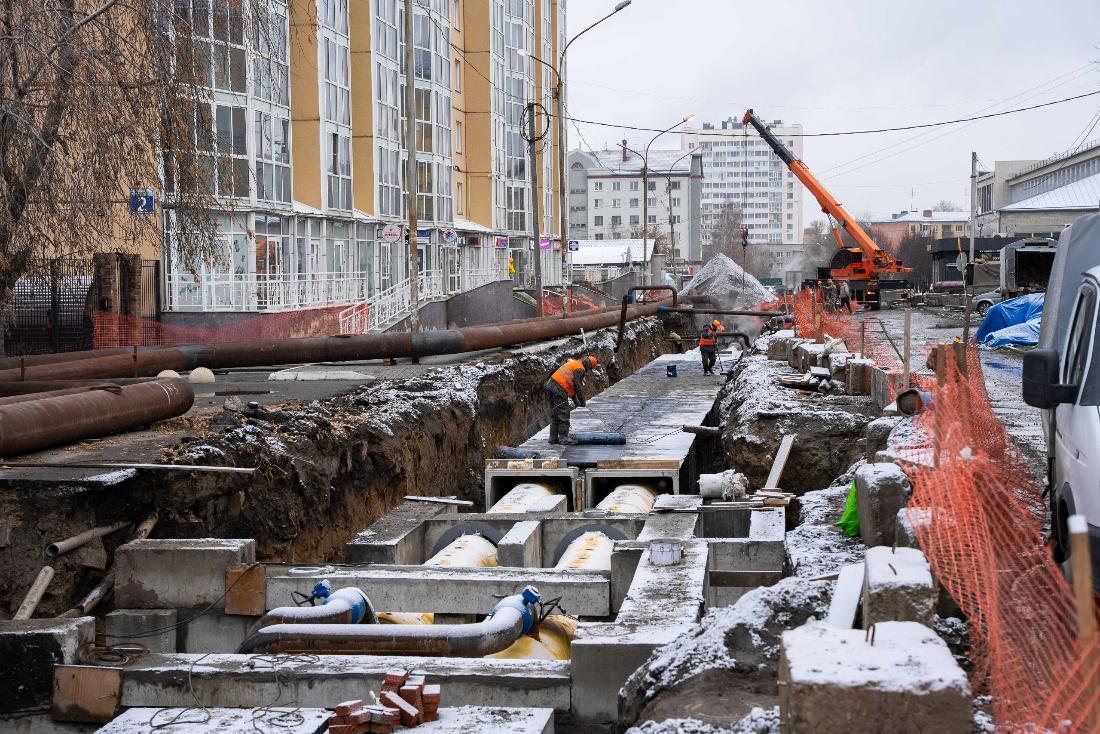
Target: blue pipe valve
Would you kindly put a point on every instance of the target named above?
(526, 602)
(322, 590)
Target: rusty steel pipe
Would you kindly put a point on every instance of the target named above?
(27, 397)
(26, 387)
(50, 421)
(720, 311)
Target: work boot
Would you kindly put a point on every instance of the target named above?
(568, 441)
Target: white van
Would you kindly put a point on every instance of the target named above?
(1062, 377)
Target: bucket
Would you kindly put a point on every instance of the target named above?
(670, 370)
(666, 552)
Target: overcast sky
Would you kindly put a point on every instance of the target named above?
(848, 65)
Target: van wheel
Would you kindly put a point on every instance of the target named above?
(1059, 529)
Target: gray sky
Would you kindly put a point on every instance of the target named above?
(848, 65)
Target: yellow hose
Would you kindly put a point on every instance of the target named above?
(590, 551)
(629, 499)
(468, 551)
(521, 497)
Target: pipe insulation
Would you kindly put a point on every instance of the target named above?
(343, 606)
(590, 551)
(629, 499)
(53, 550)
(39, 424)
(522, 498)
(511, 618)
(467, 551)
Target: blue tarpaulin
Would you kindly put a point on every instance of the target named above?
(1013, 322)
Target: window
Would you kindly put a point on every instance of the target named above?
(458, 136)
(633, 203)
(674, 185)
(597, 221)
(635, 219)
(456, 78)
(676, 219)
(675, 201)
(652, 218)
(652, 186)
(599, 235)
(616, 221)
(337, 103)
(597, 186)
(652, 201)
(228, 148)
(616, 203)
(272, 157)
(339, 171)
(616, 185)
(1077, 348)
(633, 185)
(596, 203)
(460, 208)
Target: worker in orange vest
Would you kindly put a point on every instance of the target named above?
(566, 382)
(708, 345)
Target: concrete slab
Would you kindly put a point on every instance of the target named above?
(154, 628)
(445, 590)
(397, 537)
(212, 632)
(220, 720)
(881, 490)
(897, 586)
(835, 681)
(521, 546)
(175, 573)
(234, 681)
(500, 480)
(31, 648)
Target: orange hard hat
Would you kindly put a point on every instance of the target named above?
(592, 362)
(716, 324)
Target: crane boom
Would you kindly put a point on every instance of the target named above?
(881, 260)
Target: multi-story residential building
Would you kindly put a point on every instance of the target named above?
(740, 168)
(926, 223)
(606, 196)
(1039, 198)
(307, 102)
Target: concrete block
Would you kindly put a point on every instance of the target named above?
(144, 626)
(792, 351)
(909, 519)
(212, 632)
(808, 354)
(897, 586)
(170, 573)
(624, 562)
(31, 648)
(397, 537)
(779, 345)
(858, 376)
(44, 724)
(289, 720)
(522, 545)
(837, 363)
(834, 681)
(881, 490)
(877, 433)
(885, 385)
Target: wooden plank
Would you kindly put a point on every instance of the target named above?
(743, 579)
(246, 590)
(780, 462)
(846, 597)
(637, 464)
(439, 500)
(86, 693)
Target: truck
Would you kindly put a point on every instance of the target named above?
(1062, 378)
(867, 268)
(1025, 268)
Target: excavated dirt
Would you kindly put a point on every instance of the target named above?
(326, 469)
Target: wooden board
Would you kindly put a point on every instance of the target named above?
(246, 591)
(780, 462)
(846, 597)
(637, 464)
(86, 693)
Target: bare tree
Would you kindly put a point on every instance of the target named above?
(91, 95)
(725, 238)
(657, 238)
(946, 206)
(913, 251)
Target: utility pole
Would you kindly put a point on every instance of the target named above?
(967, 295)
(563, 196)
(410, 171)
(533, 162)
(645, 218)
(671, 229)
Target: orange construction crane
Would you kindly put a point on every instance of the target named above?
(866, 266)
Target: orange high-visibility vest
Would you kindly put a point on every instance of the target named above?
(709, 337)
(564, 376)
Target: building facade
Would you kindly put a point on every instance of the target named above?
(606, 193)
(924, 223)
(307, 102)
(741, 169)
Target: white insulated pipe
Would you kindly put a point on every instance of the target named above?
(629, 499)
(590, 551)
(53, 550)
(522, 498)
(467, 551)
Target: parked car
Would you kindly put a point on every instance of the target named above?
(985, 301)
(1062, 377)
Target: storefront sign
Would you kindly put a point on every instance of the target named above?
(450, 236)
(423, 236)
(574, 245)
(392, 232)
(502, 242)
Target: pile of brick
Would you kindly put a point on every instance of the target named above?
(404, 700)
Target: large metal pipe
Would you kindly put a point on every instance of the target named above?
(27, 387)
(590, 551)
(522, 497)
(263, 352)
(720, 311)
(467, 551)
(629, 499)
(38, 424)
(343, 606)
(512, 617)
(53, 550)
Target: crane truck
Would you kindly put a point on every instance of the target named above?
(867, 268)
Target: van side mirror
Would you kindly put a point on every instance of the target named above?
(1040, 384)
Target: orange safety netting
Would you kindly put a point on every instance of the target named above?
(118, 330)
(979, 517)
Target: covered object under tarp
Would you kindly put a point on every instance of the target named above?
(1014, 322)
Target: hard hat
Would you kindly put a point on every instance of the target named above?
(592, 362)
(716, 324)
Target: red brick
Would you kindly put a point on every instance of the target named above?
(378, 727)
(414, 680)
(348, 706)
(342, 729)
(396, 675)
(410, 716)
(431, 716)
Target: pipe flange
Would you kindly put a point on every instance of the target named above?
(485, 530)
(610, 532)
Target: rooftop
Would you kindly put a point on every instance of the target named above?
(668, 161)
(608, 252)
(925, 216)
(1083, 194)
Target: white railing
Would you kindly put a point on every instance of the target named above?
(251, 292)
(476, 278)
(389, 305)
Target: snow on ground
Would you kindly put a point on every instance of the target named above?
(758, 721)
(728, 284)
(817, 546)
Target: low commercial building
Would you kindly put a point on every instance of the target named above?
(925, 223)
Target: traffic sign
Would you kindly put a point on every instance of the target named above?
(392, 232)
(960, 262)
(450, 236)
(574, 245)
(142, 201)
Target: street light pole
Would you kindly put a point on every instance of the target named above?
(533, 158)
(410, 170)
(645, 192)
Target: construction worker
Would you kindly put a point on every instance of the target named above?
(566, 382)
(845, 295)
(708, 345)
(830, 295)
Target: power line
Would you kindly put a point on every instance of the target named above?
(838, 133)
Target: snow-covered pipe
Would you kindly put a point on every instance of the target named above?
(511, 618)
(522, 497)
(590, 551)
(629, 499)
(549, 641)
(348, 606)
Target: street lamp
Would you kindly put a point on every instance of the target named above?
(645, 192)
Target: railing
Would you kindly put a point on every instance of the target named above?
(251, 292)
(476, 278)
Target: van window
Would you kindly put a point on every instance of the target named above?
(1081, 340)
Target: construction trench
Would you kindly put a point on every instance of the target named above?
(690, 578)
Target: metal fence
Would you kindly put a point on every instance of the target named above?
(52, 311)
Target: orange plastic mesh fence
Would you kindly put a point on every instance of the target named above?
(118, 330)
(979, 517)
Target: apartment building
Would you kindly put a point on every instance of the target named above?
(923, 223)
(740, 168)
(606, 196)
(307, 99)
